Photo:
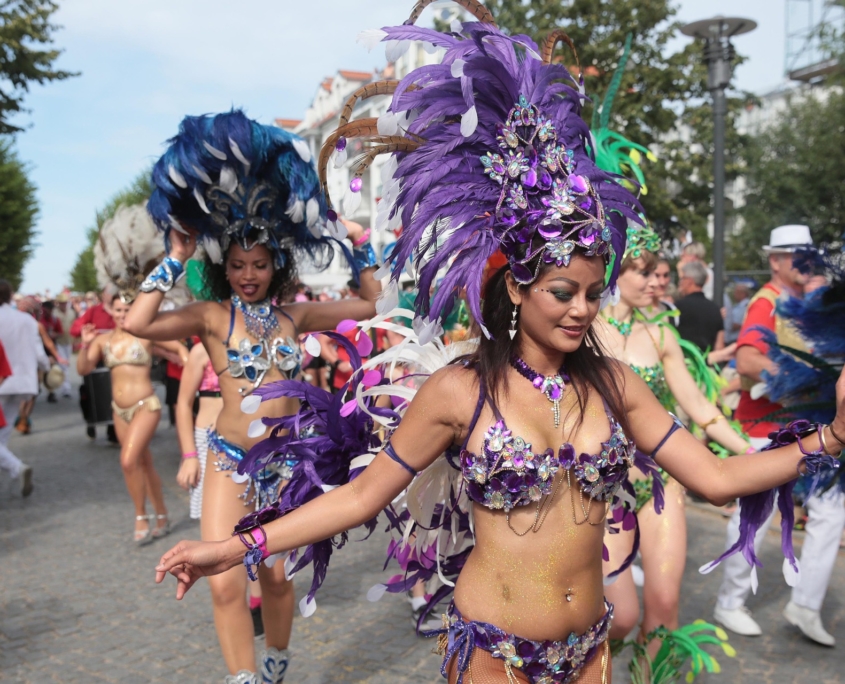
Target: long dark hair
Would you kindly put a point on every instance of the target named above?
(589, 366)
(282, 285)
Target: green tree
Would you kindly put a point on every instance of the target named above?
(662, 92)
(796, 174)
(18, 211)
(83, 275)
(25, 29)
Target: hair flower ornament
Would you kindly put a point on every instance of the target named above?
(488, 152)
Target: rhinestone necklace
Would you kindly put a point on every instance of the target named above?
(552, 385)
(624, 327)
(259, 317)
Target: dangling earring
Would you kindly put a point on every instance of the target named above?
(512, 331)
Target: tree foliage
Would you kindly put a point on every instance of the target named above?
(83, 274)
(796, 174)
(662, 92)
(25, 29)
(18, 211)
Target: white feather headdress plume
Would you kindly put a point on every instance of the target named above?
(435, 500)
(128, 248)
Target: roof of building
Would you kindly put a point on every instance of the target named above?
(356, 75)
(288, 123)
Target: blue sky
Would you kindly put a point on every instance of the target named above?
(147, 63)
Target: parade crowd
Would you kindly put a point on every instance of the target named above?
(527, 391)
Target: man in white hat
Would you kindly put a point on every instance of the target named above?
(827, 512)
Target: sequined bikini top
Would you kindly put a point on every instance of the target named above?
(135, 355)
(252, 359)
(655, 378)
(508, 473)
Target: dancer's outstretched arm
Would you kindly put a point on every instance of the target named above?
(431, 424)
(694, 466)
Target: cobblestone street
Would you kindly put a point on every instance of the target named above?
(78, 602)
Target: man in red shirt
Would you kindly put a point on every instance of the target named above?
(98, 314)
(826, 513)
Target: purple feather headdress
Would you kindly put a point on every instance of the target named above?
(488, 152)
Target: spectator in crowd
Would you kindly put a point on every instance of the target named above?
(25, 354)
(700, 319)
(53, 328)
(32, 306)
(662, 302)
(100, 317)
(826, 512)
(64, 342)
(735, 311)
(95, 313)
(696, 252)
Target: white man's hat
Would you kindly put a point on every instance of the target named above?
(789, 238)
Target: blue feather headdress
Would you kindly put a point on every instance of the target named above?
(488, 152)
(232, 179)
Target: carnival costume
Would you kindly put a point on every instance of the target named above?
(234, 181)
(127, 249)
(495, 157)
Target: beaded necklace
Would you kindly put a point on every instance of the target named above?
(259, 317)
(624, 327)
(550, 385)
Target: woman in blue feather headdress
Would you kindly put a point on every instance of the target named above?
(537, 426)
(249, 194)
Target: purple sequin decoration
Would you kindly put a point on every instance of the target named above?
(544, 662)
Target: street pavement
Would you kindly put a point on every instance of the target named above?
(78, 602)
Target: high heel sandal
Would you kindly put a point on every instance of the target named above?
(164, 530)
(144, 537)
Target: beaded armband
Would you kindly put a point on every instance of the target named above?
(164, 276)
(813, 461)
(252, 524)
(256, 550)
(364, 256)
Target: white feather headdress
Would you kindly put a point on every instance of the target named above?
(128, 248)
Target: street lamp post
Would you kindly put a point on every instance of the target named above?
(718, 55)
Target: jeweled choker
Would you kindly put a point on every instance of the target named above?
(550, 385)
(624, 327)
(259, 317)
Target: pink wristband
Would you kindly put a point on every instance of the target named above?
(190, 454)
(751, 450)
(361, 240)
(259, 538)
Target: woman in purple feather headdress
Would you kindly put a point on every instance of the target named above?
(489, 152)
(250, 194)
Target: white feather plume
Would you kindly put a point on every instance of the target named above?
(239, 155)
(296, 209)
(312, 212)
(201, 174)
(371, 37)
(228, 179)
(128, 247)
(214, 152)
(177, 177)
(302, 149)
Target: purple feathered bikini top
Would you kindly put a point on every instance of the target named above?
(508, 473)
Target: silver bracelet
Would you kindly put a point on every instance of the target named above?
(164, 276)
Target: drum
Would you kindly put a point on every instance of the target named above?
(96, 397)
